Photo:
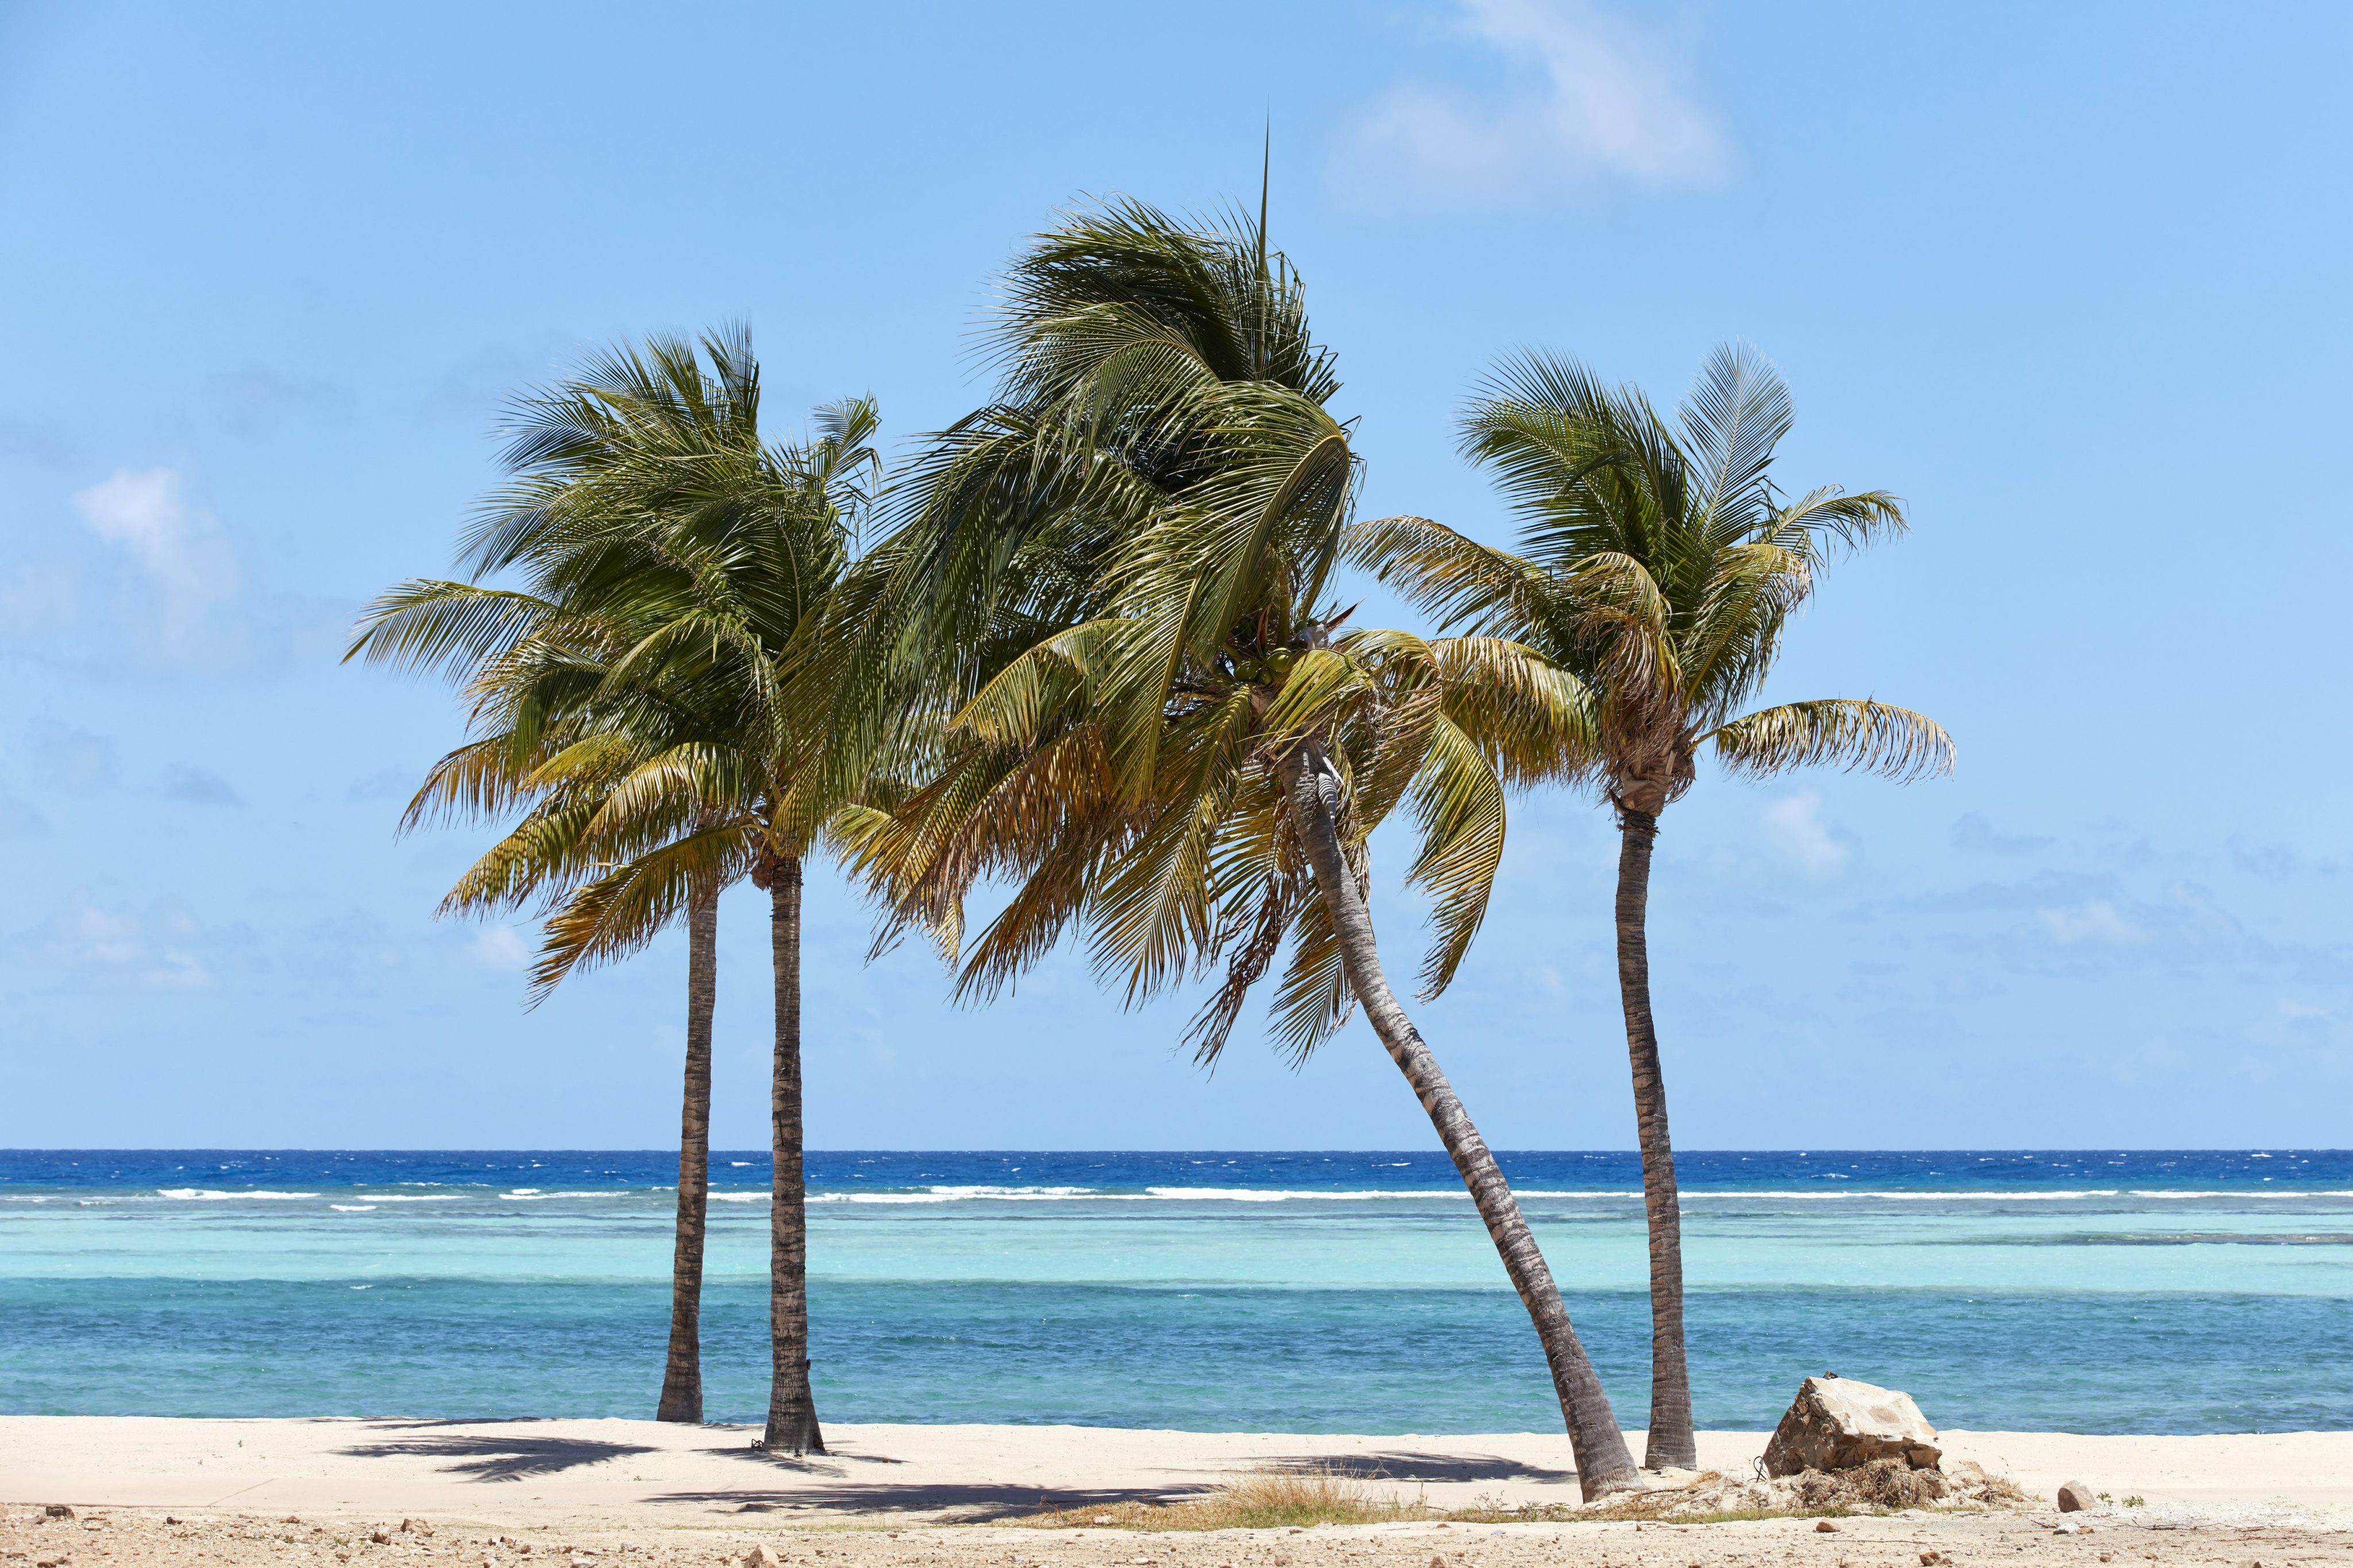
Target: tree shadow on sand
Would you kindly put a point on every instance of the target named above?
(972, 1503)
(495, 1459)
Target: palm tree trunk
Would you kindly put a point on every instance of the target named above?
(792, 1408)
(1671, 1441)
(1603, 1463)
(682, 1394)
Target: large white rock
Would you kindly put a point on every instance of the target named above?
(1836, 1423)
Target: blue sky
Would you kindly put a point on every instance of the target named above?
(2069, 279)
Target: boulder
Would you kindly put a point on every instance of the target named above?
(2076, 1497)
(1836, 1424)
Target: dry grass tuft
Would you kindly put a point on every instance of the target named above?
(1272, 1500)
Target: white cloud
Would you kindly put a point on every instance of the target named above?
(501, 947)
(2094, 921)
(179, 548)
(163, 949)
(1606, 106)
(1795, 826)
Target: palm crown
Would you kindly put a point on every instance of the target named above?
(1660, 564)
(1143, 526)
(630, 698)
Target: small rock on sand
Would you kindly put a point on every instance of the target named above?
(1824, 1527)
(2075, 1498)
(760, 1556)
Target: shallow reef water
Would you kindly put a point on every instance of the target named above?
(2087, 1290)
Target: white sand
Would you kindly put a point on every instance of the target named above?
(649, 1471)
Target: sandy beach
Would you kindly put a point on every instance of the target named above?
(167, 1490)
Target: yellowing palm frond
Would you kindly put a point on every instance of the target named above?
(1875, 737)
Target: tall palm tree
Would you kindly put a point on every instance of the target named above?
(545, 744)
(1156, 728)
(647, 506)
(1661, 566)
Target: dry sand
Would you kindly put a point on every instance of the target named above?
(221, 1493)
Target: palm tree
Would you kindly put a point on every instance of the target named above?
(546, 745)
(647, 505)
(1156, 728)
(1661, 565)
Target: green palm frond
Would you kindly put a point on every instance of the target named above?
(432, 625)
(1109, 583)
(633, 698)
(1733, 419)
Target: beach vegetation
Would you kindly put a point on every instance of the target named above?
(1659, 565)
(1270, 1499)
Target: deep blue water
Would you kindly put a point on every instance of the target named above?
(1347, 1291)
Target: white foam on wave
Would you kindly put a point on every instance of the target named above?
(975, 1194)
(951, 1194)
(2249, 1192)
(412, 1197)
(984, 1191)
(532, 1195)
(208, 1194)
(1899, 1194)
(1285, 1195)
(353, 1208)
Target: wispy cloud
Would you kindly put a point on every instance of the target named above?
(69, 759)
(154, 582)
(164, 948)
(1975, 834)
(195, 786)
(2097, 921)
(1794, 827)
(20, 818)
(501, 947)
(41, 442)
(180, 551)
(1590, 101)
(394, 783)
(255, 402)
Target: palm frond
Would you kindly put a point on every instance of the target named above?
(1874, 737)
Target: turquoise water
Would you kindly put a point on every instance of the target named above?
(2151, 1292)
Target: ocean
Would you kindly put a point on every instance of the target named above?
(2090, 1292)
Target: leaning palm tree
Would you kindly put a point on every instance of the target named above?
(1661, 566)
(1154, 726)
(648, 508)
